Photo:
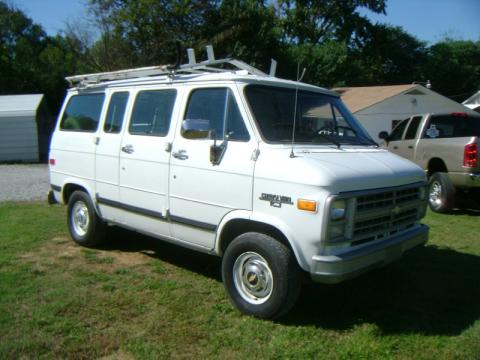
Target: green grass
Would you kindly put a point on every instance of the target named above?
(141, 298)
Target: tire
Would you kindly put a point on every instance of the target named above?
(261, 276)
(85, 226)
(441, 193)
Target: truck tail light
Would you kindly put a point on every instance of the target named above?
(459, 114)
(51, 162)
(470, 155)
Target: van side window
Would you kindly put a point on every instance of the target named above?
(218, 107)
(82, 113)
(152, 112)
(116, 112)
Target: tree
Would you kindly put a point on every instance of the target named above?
(248, 30)
(149, 29)
(387, 55)
(453, 67)
(31, 61)
(314, 22)
(20, 42)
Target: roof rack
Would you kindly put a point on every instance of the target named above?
(211, 65)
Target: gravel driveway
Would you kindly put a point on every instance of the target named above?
(26, 182)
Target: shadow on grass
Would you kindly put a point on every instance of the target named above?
(432, 291)
(129, 241)
(466, 206)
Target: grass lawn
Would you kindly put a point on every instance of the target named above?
(144, 299)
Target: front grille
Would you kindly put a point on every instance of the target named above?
(384, 214)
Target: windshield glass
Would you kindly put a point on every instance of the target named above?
(450, 126)
(321, 119)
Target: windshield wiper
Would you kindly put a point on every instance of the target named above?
(328, 137)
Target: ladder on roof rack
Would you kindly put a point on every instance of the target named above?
(207, 66)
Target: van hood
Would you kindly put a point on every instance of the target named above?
(340, 170)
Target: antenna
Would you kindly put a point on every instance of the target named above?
(299, 78)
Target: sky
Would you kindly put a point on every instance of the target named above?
(428, 20)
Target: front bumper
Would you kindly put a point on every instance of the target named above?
(337, 268)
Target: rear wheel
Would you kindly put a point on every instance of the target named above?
(85, 226)
(441, 195)
(261, 275)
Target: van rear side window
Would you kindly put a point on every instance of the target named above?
(152, 112)
(82, 113)
(115, 113)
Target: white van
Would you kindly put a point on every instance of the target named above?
(208, 159)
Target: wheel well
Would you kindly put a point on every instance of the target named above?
(436, 165)
(239, 226)
(68, 190)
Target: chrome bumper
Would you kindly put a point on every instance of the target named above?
(465, 180)
(333, 269)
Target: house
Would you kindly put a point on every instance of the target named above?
(380, 108)
(25, 126)
(473, 102)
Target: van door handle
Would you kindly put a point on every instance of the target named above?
(128, 149)
(395, 147)
(410, 146)
(180, 155)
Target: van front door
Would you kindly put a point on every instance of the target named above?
(144, 161)
(205, 187)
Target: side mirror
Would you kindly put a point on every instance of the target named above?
(200, 129)
(196, 129)
(383, 135)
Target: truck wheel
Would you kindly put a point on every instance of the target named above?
(441, 194)
(261, 275)
(85, 226)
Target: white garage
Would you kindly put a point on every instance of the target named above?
(380, 108)
(23, 119)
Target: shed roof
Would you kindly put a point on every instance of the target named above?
(19, 105)
(358, 98)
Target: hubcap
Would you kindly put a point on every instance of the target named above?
(435, 196)
(80, 218)
(253, 278)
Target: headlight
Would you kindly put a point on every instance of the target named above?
(338, 210)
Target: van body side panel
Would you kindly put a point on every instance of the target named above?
(74, 155)
(107, 167)
(144, 166)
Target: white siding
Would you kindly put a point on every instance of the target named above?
(379, 117)
(18, 127)
(18, 138)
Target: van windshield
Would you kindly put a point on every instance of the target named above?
(321, 119)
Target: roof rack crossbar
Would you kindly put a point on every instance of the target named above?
(194, 68)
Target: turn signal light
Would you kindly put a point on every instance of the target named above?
(470, 155)
(307, 205)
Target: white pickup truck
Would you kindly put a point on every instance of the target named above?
(275, 176)
(446, 146)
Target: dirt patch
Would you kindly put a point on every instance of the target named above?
(62, 248)
(119, 355)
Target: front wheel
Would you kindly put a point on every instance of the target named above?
(261, 275)
(85, 226)
(441, 194)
